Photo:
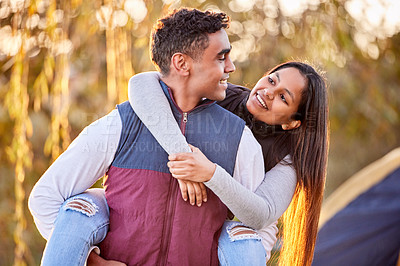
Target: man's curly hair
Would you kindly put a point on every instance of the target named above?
(184, 31)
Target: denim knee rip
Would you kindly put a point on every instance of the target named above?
(82, 205)
(239, 231)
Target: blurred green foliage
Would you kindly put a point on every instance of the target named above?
(74, 59)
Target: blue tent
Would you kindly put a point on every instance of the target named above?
(360, 221)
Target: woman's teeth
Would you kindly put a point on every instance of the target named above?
(260, 100)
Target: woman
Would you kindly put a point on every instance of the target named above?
(292, 99)
(283, 128)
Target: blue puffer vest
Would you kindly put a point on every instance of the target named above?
(150, 223)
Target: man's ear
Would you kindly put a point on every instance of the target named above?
(180, 63)
(291, 125)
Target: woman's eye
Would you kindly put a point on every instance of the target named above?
(222, 59)
(283, 98)
(270, 80)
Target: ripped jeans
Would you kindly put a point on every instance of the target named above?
(82, 222)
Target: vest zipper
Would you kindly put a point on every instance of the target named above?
(173, 187)
(168, 220)
(170, 212)
(184, 114)
(184, 121)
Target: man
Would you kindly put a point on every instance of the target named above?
(149, 222)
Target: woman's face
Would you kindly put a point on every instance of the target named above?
(276, 97)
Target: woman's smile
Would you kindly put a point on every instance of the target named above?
(261, 101)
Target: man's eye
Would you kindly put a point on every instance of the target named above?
(222, 59)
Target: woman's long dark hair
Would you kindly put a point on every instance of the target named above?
(308, 147)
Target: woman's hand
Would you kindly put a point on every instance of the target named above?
(192, 166)
(196, 191)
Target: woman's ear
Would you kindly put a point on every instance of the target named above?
(179, 62)
(291, 125)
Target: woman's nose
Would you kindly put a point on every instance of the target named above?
(269, 94)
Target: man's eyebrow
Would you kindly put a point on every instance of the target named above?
(288, 91)
(225, 51)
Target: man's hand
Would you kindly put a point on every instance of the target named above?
(95, 260)
(192, 169)
(197, 192)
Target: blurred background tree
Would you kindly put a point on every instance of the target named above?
(63, 64)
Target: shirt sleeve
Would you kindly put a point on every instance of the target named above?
(86, 160)
(268, 237)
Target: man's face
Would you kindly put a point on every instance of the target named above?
(210, 72)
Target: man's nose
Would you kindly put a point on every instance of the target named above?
(229, 66)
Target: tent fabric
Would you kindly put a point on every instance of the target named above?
(367, 230)
(358, 184)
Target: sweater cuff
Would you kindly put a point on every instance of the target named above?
(217, 179)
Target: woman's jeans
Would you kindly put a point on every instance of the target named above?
(82, 222)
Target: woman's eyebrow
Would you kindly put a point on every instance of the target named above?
(277, 75)
(288, 91)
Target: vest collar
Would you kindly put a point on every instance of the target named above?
(176, 109)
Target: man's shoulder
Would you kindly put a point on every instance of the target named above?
(126, 113)
(124, 106)
(125, 109)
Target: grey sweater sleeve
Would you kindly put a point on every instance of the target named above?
(256, 209)
(266, 204)
(152, 107)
